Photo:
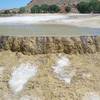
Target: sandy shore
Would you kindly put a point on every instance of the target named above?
(80, 20)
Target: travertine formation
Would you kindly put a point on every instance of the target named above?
(56, 76)
(45, 45)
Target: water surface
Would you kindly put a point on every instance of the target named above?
(46, 29)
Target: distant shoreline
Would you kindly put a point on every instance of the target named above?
(80, 20)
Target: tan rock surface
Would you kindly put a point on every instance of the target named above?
(45, 86)
(45, 45)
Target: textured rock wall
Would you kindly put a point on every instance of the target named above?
(43, 45)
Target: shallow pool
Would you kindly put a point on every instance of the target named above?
(46, 30)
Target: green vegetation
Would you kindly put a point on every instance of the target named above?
(22, 10)
(54, 9)
(92, 6)
(83, 7)
(36, 9)
(68, 9)
(6, 12)
(95, 6)
(45, 9)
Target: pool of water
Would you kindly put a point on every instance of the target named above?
(46, 30)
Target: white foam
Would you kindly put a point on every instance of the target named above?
(63, 70)
(91, 96)
(21, 75)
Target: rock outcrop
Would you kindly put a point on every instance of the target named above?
(44, 45)
(61, 3)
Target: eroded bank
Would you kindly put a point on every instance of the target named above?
(45, 45)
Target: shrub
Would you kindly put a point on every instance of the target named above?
(6, 12)
(22, 10)
(54, 9)
(35, 9)
(95, 6)
(44, 8)
(83, 7)
(87, 7)
(68, 9)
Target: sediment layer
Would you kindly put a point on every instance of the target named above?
(44, 45)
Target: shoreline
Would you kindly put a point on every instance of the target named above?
(79, 20)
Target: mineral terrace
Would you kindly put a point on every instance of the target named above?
(50, 68)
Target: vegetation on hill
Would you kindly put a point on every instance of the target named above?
(83, 6)
(92, 6)
(68, 8)
(22, 10)
(35, 9)
(45, 9)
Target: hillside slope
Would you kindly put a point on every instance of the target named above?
(61, 3)
(58, 2)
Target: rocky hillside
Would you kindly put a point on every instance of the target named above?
(50, 2)
(45, 45)
(61, 3)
